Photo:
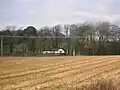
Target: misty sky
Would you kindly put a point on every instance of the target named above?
(41, 13)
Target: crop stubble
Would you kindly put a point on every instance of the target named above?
(31, 73)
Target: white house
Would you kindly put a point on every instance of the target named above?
(56, 52)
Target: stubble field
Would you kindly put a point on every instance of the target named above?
(55, 73)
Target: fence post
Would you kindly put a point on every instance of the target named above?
(1, 46)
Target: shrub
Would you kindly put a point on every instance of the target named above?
(102, 84)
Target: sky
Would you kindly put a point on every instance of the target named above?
(40, 13)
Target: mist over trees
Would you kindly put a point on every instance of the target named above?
(102, 38)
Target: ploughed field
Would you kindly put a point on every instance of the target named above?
(55, 73)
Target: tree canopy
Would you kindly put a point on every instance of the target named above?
(83, 39)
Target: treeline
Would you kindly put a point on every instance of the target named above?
(82, 39)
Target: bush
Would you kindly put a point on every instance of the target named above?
(102, 85)
(99, 85)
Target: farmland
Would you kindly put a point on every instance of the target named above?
(55, 73)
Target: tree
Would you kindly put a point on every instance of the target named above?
(70, 30)
(85, 33)
(9, 42)
(30, 31)
(45, 43)
(56, 33)
(103, 29)
(31, 43)
(86, 39)
(67, 30)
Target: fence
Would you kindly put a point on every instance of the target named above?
(46, 45)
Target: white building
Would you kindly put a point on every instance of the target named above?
(54, 52)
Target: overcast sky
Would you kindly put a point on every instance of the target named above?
(41, 13)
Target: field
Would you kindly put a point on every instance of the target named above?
(55, 73)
